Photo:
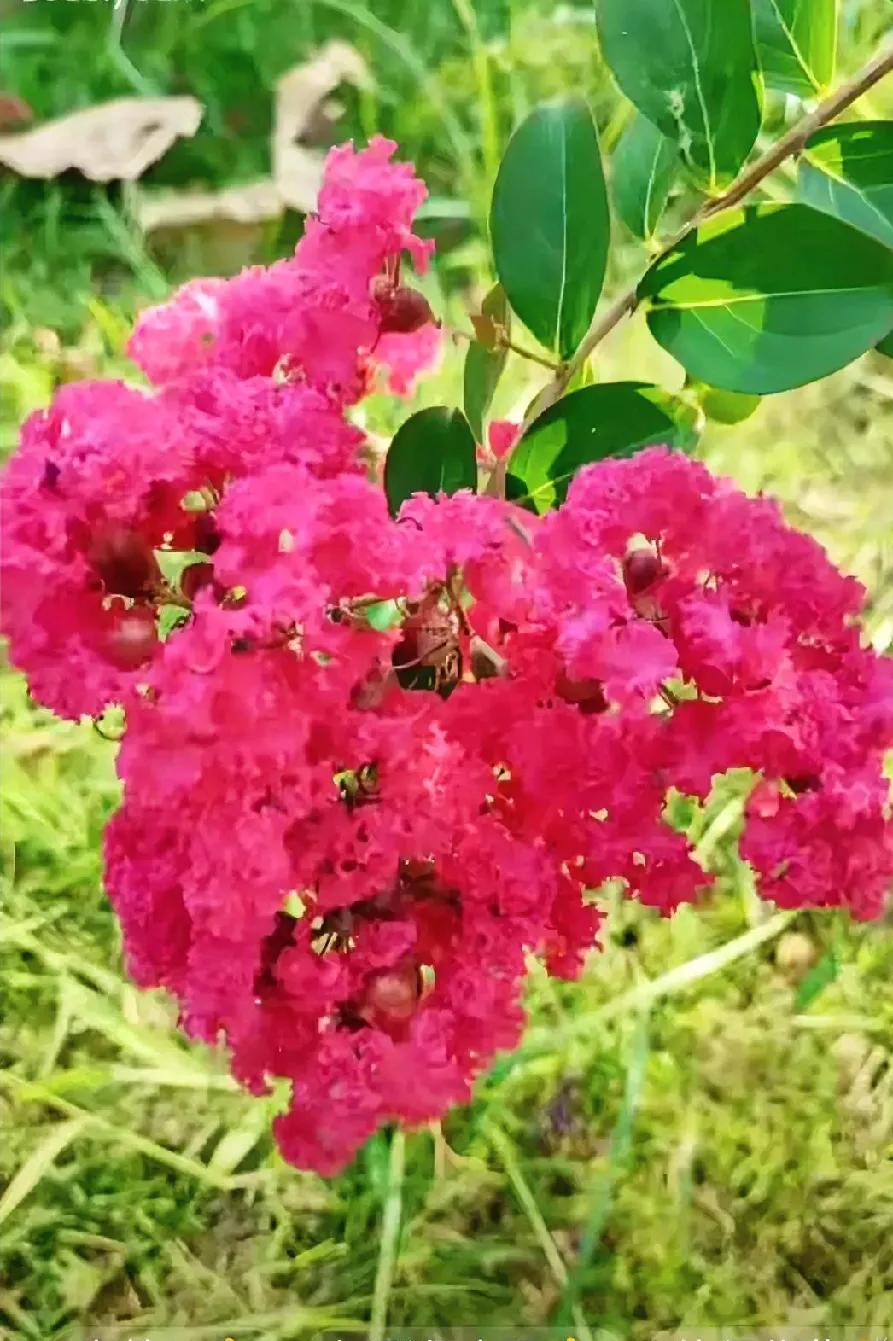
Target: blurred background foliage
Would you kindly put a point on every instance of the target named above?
(717, 1152)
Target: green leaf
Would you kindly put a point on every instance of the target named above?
(818, 979)
(724, 407)
(690, 66)
(483, 367)
(549, 223)
(770, 297)
(432, 452)
(797, 44)
(645, 165)
(608, 419)
(847, 171)
(582, 376)
(383, 615)
(729, 407)
(885, 346)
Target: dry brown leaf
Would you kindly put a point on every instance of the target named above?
(301, 96)
(253, 203)
(113, 140)
(303, 106)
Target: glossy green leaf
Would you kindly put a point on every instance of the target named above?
(770, 297)
(549, 223)
(432, 452)
(608, 419)
(690, 66)
(483, 367)
(847, 171)
(582, 376)
(726, 407)
(797, 44)
(885, 346)
(645, 164)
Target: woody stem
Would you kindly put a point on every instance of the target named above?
(790, 144)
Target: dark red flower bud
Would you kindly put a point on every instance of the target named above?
(588, 694)
(417, 868)
(124, 561)
(193, 578)
(641, 569)
(392, 995)
(207, 537)
(131, 639)
(403, 311)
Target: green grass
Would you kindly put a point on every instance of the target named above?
(727, 1158)
(692, 1135)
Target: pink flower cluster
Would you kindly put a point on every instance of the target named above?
(371, 764)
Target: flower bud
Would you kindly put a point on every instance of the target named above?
(207, 537)
(641, 569)
(588, 694)
(403, 311)
(131, 639)
(124, 560)
(193, 578)
(392, 995)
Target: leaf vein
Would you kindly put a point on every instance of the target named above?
(696, 72)
(795, 46)
(691, 305)
(559, 316)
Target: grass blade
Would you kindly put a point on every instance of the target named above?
(38, 1163)
(602, 1192)
(390, 1236)
(555, 1262)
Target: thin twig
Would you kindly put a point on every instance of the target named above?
(505, 343)
(791, 143)
(502, 341)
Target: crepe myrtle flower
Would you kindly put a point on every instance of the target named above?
(342, 837)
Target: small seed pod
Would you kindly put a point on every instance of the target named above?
(417, 868)
(131, 639)
(641, 569)
(588, 694)
(124, 561)
(194, 578)
(392, 995)
(403, 310)
(207, 537)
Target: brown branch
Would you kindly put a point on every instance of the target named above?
(502, 341)
(790, 143)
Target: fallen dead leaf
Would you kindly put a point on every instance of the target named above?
(114, 140)
(303, 111)
(249, 204)
(301, 101)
